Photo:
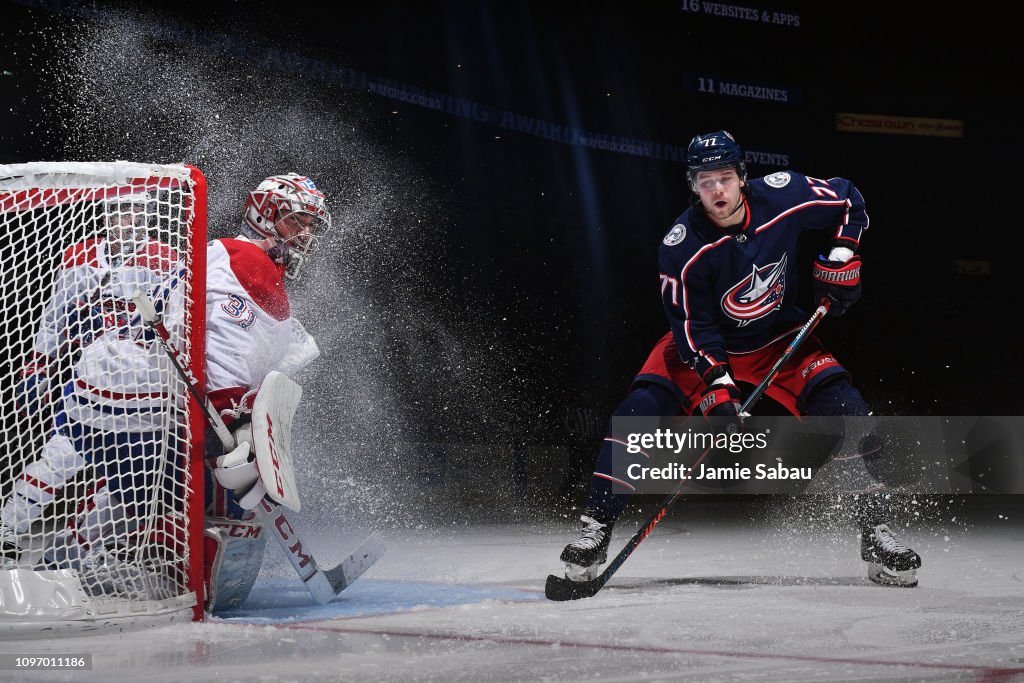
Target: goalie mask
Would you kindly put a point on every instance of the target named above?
(286, 215)
(126, 219)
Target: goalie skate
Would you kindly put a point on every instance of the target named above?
(10, 551)
(116, 572)
(890, 563)
(584, 556)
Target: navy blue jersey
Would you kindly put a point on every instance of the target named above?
(735, 290)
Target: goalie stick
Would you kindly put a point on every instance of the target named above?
(559, 588)
(323, 584)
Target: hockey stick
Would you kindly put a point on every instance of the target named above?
(323, 585)
(559, 588)
(819, 314)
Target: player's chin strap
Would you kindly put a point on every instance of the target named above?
(560, 588)
(323, 584)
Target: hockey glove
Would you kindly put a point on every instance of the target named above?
(838, 281)
(722, 399)
(237, 471)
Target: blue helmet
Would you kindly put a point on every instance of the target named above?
(712, 151)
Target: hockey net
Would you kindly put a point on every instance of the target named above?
(100, 446)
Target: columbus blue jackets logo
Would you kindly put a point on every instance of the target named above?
(777, 180)
(676, 235)
(758, 294)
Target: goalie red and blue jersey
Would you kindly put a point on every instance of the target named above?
(734, 290)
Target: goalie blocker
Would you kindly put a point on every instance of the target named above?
(261, 463)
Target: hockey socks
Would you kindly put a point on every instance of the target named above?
(645, 400)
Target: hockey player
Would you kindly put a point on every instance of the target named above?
(88, 319)
(249, 332)
(729, 277)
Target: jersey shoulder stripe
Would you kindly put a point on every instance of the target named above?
(262, 279)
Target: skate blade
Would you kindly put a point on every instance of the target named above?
(879, 574)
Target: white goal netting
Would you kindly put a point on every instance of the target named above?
(98, 472)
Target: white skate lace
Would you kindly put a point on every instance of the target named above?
(591, 535)
(7, 535)
(885, 538)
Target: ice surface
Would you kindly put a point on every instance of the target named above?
(704, 598)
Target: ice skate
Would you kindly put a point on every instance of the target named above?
(110, 571)
(890, 563)
(584, 556)
(10, 551)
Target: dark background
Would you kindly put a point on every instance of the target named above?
(507, 284)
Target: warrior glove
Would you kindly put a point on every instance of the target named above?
(837, 281)
(722, 398)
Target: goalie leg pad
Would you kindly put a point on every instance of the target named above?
(234, 555)
(40, 483)
(100, 515)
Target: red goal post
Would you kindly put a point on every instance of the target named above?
(101, 447)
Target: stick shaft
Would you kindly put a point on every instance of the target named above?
(806, 330)
(271, 514)
(647, 527)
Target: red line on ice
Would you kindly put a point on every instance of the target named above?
(990, 672)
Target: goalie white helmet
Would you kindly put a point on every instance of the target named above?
(287, 215)
(126, 219)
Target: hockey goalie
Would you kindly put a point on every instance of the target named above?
(109, 415)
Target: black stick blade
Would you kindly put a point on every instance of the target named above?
(561, 589)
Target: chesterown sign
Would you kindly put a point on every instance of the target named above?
(899, 125)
